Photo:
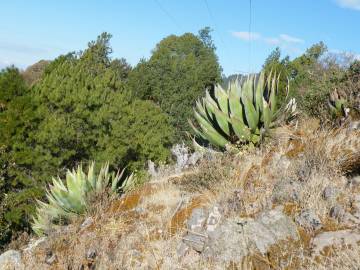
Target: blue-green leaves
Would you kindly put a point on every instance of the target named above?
(236, 115)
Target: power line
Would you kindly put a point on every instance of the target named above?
(214, 21)
(250, 37)
(169, 15)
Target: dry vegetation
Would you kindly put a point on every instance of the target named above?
(143, 229)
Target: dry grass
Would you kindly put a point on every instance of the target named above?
(143, 229)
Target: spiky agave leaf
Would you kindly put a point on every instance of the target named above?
(66, 199)
(244, 112)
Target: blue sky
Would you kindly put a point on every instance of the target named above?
(38, 29)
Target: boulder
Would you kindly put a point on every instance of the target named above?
(11, 260)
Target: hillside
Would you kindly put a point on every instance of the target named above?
(293, 204)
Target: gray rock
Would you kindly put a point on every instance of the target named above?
(50, 258)
(11, 260)
(182, 249)
(355, 205)
(213, 219)
(91, 254)
(309, 220)
(337, 212)
(329, 193)
(354, 125)
(286, 190)
(197, 220)
(354, 181)
(196, 240)
(235, 238)
(87, 222)
(334, 238)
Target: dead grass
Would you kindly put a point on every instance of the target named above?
(142, 230)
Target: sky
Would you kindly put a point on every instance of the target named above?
(244, 33)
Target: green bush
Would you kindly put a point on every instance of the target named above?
(178, 72)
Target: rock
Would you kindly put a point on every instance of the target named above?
(355, 205)
(87, 222)
(213, 219)
(197, 220)
(354, 125)
(286, 190)
(334, 238)
(91, 254)
(195, 240)
(309, 220)
(34, 244)
(182, 249)
(235, 238)
(337, 212)
(329, 193)
(354, 181)
(50, 258)
(11, 260)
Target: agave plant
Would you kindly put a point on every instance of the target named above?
(338, 105)
(69, 199)
(243, 113)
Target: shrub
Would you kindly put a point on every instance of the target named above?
(177, 73)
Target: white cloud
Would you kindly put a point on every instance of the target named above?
(352, 4)
(290, 39)
(247, 36)
(272, 41)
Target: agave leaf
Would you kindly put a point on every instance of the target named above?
(240, 129)
(251, 114)
(221, 118)
(260, 92)
(222, 99)
(266, 115)
(211, 133)
(236, 108)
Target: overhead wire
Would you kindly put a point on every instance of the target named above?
(250, 35)
(167, 13)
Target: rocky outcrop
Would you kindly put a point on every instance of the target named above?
(231, 239)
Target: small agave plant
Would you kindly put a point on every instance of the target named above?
(69, 199)
(243, 113)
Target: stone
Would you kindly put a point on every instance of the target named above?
(334, 238)
(91, 254)
(50, 258)
(337, 212)
(197, 220)
(87, 222)
(182, 249)
(213, 219)
(235, 238)
(195, 240)
(286, 190)
(329, 193)
(309, 220)
(11, 260)
(354, 125)
(354, 181)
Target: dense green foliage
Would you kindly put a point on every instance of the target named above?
(17, 157)
(314, 75)
(178, 72)
(79, 110)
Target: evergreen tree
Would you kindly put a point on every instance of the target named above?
(178, 72)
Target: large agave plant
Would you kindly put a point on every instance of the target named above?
(70, 198)
(243, 113)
